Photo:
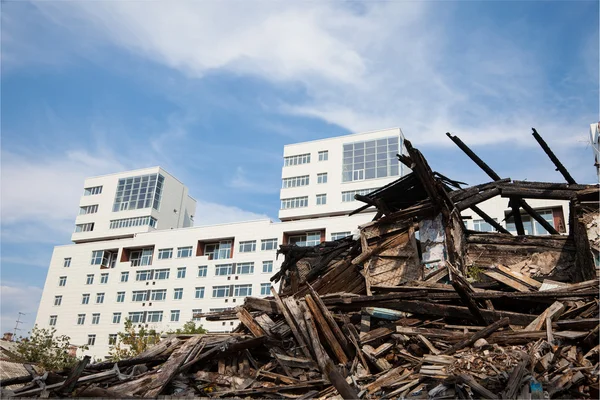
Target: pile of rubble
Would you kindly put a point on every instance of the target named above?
(417, 306)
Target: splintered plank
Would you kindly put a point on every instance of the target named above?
(552, 312)
(292, 325)
(485, 332)
(247, 319)
(507, 281)
(256, 304)
(171, 367)
(520, 277)
(324, 328)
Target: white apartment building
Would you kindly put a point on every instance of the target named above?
(136, 255)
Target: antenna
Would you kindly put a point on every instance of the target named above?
(17, 325)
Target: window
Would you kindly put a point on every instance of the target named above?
(295, 181)
(245, 268)
(268, 244)
(85, 298)
(84, 227)
(124, 276)
(322, 178)
(80, 319)
(116, 318)
(532, 227)
(267, 266)
(91, 340)
(174, 315)
(89, 279)
(184, 252)
(321, 199)
(213, 310)
(97, 256)
(52, 321)
(371, 159)
(242, 290)
(200, 292)
(295, 202)
(67, 262)
(296, 160)
(103, 278)
(139, 192)
(180, 272)
(349, 195)
(218, 251)
(62, 281)
(57, 300)
(144, 275)
(178, 294)
(136, 317)
(112, 339)
(339, 235)
(165, 254)
(221, 291)
(482, 226)
(223, 269)
(139, 295)
(120, 297)
(141, 257)
(324, 155)
(265, 289)
(248, 247)
(91, 191)
(95, 319)
(307, 240)
(88, 209)
(158, 295)
(99, 298)
(161, 274)
(202, 270)
(154, 316)
(135, 221)
(195, 312)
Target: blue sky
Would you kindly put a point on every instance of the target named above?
(212, 91)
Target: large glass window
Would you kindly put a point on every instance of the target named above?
(308, 239)
(84, 227)
(104, 258)
(218, 251)
(349, 195)
(339, 235)
(200, 292)
(482, 226)
(154, 316)
(135, 221)
(296, 160)
(88, 209)
(322, 178)
(295, 181)
(202, 271)
(136, 317)
(248, 247)
(245, 268)
(139, 295)
(184, 252)
(370, 159)
(165, 254)
(268, 244)
(141, 257)
(242, 290)
(531, 226)
(223, 269)
(158, 295)
(295, 202)
(144, 275)
(267, 266)
(139, 192)
(265, 289)
(161, 274)
(221, 291)
(90, 191)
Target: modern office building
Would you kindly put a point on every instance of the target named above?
(136, 254)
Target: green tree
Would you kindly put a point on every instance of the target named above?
(132, 342)
(48, 350)
(189, 328)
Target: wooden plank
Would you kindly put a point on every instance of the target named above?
(476, 387)
(376, 334)
(320, 321)
(69, 384)
(520, 277)
(507, 281)
(428, 344)
(465, 291)
(292, 325)
(552, 312)
(171, 367)
(247, 319)
(297, 314)
(256, 304)
(485, 332)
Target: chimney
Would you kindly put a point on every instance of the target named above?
(7, 336)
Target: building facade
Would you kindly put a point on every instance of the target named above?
(136, 254)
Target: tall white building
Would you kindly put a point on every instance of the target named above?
(136, 255)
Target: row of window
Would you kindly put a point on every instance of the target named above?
(349, 195)
(90, 191)
(219, 291)
(88, 227)
(304, 180)
(304, 158)
(129, 222)
(88, 209)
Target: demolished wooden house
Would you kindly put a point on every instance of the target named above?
(414, 306)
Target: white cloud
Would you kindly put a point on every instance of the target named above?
(241, 182)
(17, 299)
(363, 67)
(208, 213)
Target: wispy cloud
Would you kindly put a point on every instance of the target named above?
(378, 65)
(208, 213)
(241, 182)
(17, 298)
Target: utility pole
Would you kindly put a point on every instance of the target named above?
(17, 325)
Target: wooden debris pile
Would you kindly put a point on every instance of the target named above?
(416, 307)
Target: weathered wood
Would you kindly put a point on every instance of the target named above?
(513, 191)
(552, 312)
(323, 326)
(476, 387)
(69, 384)
(465, 291)
(269, 389)
(482, 334)
(375, 334)
(256, 304)
(559, 166)
(249, 321)
(292, 325)
(428, 344)
(171, 367)
(519, 277)
(514, 380)
(507, 281)
(477, 198)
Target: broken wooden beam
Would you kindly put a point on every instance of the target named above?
(559, 166)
